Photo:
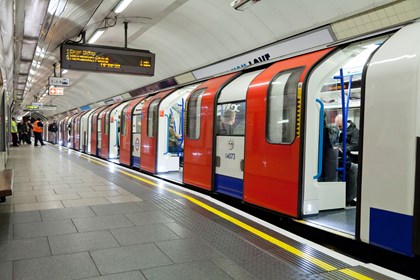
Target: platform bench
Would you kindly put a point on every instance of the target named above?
(6, 184)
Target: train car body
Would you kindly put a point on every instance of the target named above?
(269, 136)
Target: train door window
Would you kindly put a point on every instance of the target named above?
(92, 120)
(152, 118)
(194, 114)
(99, 124)
(281, 107)
(231, 119)
(106, 124)
(123, 124)
(137, 124)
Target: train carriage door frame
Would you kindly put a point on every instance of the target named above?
(230, 136)
(172, 107)
(135, 133)
(200, 134)
(273, 135)
(114, 130)
(126, 144)
(95, 129)
(324, 177)
(106, 129)
(85, 131)
(149, 127)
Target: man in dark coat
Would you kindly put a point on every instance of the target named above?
(352, 137)
(352, 144)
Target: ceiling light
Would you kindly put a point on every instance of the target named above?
(98, 33)
(64, 71)
(122, 5)
(242, 5)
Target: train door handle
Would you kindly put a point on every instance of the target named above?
(217, 161)
(242, 165)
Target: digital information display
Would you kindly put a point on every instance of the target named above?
(107, 59)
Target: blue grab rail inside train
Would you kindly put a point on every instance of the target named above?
(321, 138)
(345, 102)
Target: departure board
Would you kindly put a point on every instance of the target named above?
(107, 59)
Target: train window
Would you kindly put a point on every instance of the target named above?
(137, 124)
(106, 124)
(122, 124)
(152, 118)
(194, 113)
(231, 119)
(281, 107)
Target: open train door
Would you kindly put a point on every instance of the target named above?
(77, 130)
(199, 148)
(105, 130)
(331, 166)
(273, 143)
(96, 131)
(149, 128)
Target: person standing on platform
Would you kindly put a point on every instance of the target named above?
(37, 129)
(14, 132)
(53, 129)
(23, 138)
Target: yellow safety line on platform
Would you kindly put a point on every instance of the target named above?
(354, 274)
(249, 228)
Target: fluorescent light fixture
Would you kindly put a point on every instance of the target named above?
(122, 5)
(242, 5)
(98, 33)
(64, 71)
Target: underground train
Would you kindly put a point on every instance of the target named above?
(257, 135)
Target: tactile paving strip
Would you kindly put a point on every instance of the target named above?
(254, 254)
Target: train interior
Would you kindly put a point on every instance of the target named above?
(171, 134)
(331, 167)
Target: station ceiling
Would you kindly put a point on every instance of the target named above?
(184, 34)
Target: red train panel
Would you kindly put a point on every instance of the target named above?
(271, 171)
(148, 143)
(198, 153)
(125, 144)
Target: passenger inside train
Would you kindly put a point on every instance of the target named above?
(227, 122)
(174, 145)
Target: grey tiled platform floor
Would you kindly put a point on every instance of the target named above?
(62, 223)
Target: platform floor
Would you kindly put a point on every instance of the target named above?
(77, 217)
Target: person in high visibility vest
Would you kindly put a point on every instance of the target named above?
(14, 132)
(37, 129)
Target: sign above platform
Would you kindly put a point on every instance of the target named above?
(55, 91)
(107, 59)
(61, 82)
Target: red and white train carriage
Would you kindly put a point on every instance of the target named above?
(273, 156)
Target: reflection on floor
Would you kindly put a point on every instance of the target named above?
(173, 176)
(341, 220)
